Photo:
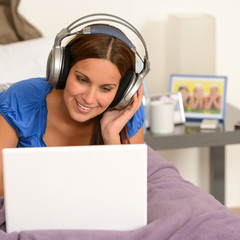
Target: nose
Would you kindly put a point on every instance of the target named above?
(89, 95)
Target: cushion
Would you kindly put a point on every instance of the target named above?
(24, 59)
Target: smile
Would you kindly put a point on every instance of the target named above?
(84, 108)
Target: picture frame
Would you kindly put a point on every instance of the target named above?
(203, 96)
(176, 98)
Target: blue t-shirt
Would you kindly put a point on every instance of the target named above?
(24, 107)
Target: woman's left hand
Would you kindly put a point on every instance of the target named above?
(113, 121)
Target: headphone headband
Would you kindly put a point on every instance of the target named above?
(59, 60)
(102, 29)
(66, 32)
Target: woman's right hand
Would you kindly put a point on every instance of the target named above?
(113, 121)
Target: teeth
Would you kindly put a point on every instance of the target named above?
(85, 108)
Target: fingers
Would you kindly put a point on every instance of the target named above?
(138, 96)
(136, 101)
(140, 91)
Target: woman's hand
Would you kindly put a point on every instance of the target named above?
(113, 121)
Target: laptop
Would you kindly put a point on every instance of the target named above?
(81, 187)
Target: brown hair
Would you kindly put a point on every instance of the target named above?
(103, 46)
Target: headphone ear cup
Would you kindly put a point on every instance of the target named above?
(48, 70)
(123, 87)
(53, 66)
(64, 69)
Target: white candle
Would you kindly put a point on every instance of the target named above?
(161, 117)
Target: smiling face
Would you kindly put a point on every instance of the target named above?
(90, 88)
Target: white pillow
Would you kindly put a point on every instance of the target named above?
(25, 59)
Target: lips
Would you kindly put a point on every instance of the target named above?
(83, 108)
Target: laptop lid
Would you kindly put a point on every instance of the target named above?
(84, 187)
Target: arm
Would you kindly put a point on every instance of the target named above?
(217, 102)
(138, 138)
(196, 102)
(8, 139)
(214, 102)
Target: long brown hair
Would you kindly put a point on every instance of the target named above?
(103, 46)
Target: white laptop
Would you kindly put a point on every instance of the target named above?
(85, 187)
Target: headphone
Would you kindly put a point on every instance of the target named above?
(59, 59)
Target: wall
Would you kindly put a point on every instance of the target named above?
(150, 18)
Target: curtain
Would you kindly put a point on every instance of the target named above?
(13, 26)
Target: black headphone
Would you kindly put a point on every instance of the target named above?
(59, 59)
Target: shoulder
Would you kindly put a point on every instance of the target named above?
(33, 86)
(137, 121)
(30, 90)
(22, 103)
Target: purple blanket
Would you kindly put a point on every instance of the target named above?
(176, 210)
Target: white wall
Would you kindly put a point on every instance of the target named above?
(150, 18)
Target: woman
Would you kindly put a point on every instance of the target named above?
(213, 100)
(186, 97)
(34, 114)
(197, 99)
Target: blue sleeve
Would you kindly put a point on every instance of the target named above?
(137, 121)
(21, 105)
(9, 107)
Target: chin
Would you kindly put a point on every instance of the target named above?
(83, 118)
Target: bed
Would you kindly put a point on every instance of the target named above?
(176, 208)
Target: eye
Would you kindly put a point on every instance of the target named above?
(106, 89)
(82, 80)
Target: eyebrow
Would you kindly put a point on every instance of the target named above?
(107, 84)
(82, 74)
